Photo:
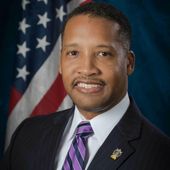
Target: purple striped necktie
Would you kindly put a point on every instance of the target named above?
(77, 154)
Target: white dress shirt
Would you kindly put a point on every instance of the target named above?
(102, 125)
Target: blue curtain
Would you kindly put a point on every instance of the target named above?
(150, 83)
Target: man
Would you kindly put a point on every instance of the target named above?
(95, 64)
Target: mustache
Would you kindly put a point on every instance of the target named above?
(87, 80)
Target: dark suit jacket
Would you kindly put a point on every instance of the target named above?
(35, 142)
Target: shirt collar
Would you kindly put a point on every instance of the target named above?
(102, 124)
(73, 123)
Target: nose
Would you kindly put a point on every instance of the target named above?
(88, 66)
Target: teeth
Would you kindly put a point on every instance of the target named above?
(87, 86)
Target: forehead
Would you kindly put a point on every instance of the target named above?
(90, 26)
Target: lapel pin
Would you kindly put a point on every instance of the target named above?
(116, 154)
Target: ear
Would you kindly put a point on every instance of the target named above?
(131, 62)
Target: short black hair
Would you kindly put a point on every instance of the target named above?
(106, 11)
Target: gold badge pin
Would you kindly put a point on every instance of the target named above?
(116, 154)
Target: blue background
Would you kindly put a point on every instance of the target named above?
(150, 83)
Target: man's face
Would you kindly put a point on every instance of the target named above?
(94, 64)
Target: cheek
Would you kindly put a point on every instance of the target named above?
(68, 64)
(66, 67)
(110, 69)
(114, 75)
(67, 70)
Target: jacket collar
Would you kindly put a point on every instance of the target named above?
(51, 139)
(118, 144)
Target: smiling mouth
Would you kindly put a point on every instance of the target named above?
(89, 87)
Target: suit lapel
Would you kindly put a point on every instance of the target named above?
(51, 140)
(127, 130)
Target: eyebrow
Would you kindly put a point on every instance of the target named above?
(100, 46)
(73, 45)
(70, 45)
(104, 46)
(107, 46)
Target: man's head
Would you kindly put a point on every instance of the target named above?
(95, 57)
(108, 12)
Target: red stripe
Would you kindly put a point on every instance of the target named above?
(15, 97)
(52, 99)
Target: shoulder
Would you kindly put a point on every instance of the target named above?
(38, 126)
(152, 141)
(45, 121)
(148, 130)
(135, 127)
(144, 126)
(154, 136)
(33, 136)
(151, 146)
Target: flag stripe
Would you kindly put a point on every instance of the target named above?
(15, 97)
(52, 100)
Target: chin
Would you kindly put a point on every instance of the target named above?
(94, 108)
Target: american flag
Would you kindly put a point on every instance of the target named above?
(37, 87)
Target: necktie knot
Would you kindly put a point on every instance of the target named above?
(84, 129)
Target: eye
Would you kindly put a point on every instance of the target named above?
(72, 53)
(104, 54)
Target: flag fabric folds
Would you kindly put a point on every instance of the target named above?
(37, 87)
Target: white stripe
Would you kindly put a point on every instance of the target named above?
(67, 103)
